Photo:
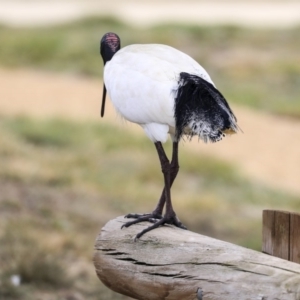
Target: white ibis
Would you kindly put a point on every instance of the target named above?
(167, 93)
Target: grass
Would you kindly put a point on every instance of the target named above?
(61, 181)
(255, 67)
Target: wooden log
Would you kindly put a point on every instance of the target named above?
(171, 263)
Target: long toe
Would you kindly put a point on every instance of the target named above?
(140, 218)
(165, 220)
(152, 215)
(177, 223)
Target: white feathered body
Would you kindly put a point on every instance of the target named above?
(142, 81)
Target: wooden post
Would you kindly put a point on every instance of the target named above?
(295, 238)
(281, 234)
(171, 263)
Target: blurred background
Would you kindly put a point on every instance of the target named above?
(64, 172)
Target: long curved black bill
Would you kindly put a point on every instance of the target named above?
(103, 100)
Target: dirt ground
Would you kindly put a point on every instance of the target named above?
(268, 150)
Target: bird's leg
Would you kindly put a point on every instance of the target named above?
(157, 212)
(174, 168)
(170, 216)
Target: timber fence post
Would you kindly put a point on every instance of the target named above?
(281, 234)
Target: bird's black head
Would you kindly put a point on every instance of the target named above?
(109, 45)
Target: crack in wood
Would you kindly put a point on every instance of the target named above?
(181, 276)
(136, 262)
(283, 269)
(117, 253)
(160, 274)
(106, 250)
(230, 266)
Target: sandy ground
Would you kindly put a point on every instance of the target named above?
(267, 151)
(145, 13)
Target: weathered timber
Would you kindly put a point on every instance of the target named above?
(295, 238)
(281, 234)
(171, 263)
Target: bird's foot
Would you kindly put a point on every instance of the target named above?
(151, 217)
(167, 219)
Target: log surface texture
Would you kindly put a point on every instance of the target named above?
(171, 263)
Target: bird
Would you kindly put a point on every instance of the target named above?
(167, 93)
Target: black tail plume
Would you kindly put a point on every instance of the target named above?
(200, 109)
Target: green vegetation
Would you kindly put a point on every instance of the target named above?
(61, 181)
(258, 68)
